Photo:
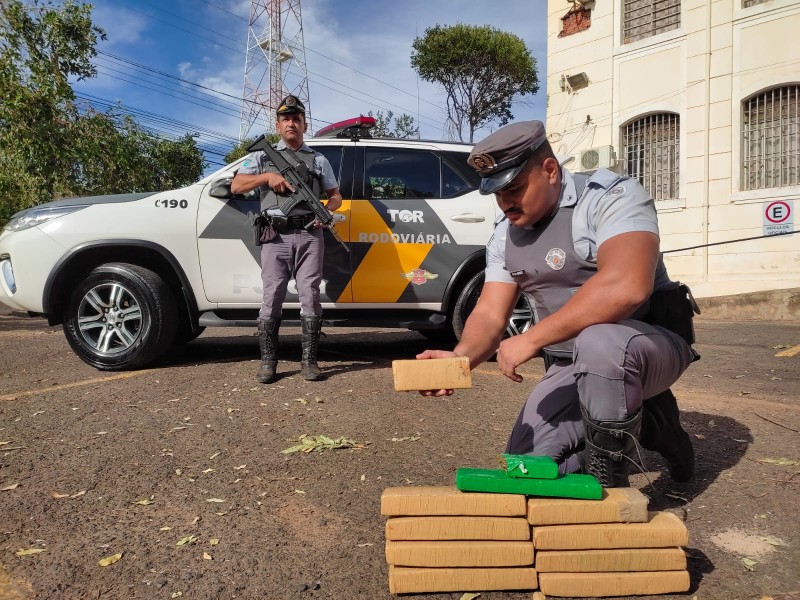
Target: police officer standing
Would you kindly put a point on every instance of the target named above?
(585, 250)
(296, 247)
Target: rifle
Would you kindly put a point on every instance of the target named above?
(302, 192)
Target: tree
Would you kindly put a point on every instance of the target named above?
(482, 70)
(50, 146)
(403, 126)
(240, 149)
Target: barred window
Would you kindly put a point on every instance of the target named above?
(650, 147)
(646, 18)
(746, 3)
(771, 138)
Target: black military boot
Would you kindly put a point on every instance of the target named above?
(611, 448)
(268, 342)
(662, 433)
(312, 327)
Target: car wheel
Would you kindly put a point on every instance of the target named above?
(186, 334)
(521, 318)
(120, 317)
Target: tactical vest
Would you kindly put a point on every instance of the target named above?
(543, 262)
(269, 199)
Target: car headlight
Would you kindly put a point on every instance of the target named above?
(38, 215)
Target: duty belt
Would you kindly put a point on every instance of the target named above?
(299, 221)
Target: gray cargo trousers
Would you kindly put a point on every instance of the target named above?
(300, 253)
(614, 368)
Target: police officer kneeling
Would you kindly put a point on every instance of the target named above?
(293, 246)
(585, 250)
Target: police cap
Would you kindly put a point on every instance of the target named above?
(501, 156)
(289, 105)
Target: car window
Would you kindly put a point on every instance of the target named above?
(401, 173)
(452, 183)
(334, 156)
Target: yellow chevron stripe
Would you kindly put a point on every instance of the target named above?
(379, 277)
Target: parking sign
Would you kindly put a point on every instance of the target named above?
(778, 217)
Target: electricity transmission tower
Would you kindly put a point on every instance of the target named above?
(275, 64)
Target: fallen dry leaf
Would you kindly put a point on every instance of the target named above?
(470, 596)
(109, 560)
(29, 551)
(75, 495)
(782, 462)
(144, 502)
(215, 500)
(189, 539)
(213, 541)
(206, 556)
(8, 488)
(57, 495)
(215, 455)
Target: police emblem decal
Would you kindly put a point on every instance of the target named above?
(419, 276)
(556, 258)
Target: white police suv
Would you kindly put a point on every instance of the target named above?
(130, 275)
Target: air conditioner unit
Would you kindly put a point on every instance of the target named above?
(602, 157)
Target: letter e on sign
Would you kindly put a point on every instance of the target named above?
(778, 217)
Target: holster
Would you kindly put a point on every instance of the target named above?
(263, 231)
(674, 309)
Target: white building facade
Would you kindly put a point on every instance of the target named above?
(701, 102)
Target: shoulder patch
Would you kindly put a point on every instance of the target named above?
(617, 190)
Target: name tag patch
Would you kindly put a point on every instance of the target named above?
(517, 273)
(556, 258)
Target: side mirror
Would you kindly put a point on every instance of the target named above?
(221, 188)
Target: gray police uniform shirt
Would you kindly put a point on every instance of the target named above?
(608, 206)
(258, 162)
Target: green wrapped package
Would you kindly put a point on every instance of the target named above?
(528, 467)
(496, 480)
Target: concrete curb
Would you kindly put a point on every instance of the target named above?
(772, 305)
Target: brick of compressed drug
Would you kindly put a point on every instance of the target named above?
(618, 505)
(459, 553)
(448, 501)
(431, 374)
(458, 528)
(574, 485)
(601, 561)
(600, 585)
(420, 580)
(663, 530)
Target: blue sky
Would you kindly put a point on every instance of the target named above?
(357, 58)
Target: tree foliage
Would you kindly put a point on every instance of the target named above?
(482, 70)
(52, 147)
(403, 126)
(240, 149)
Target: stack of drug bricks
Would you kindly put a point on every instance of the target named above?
(443, 539)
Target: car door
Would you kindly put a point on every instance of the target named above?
(415, 220)
(229, 259)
